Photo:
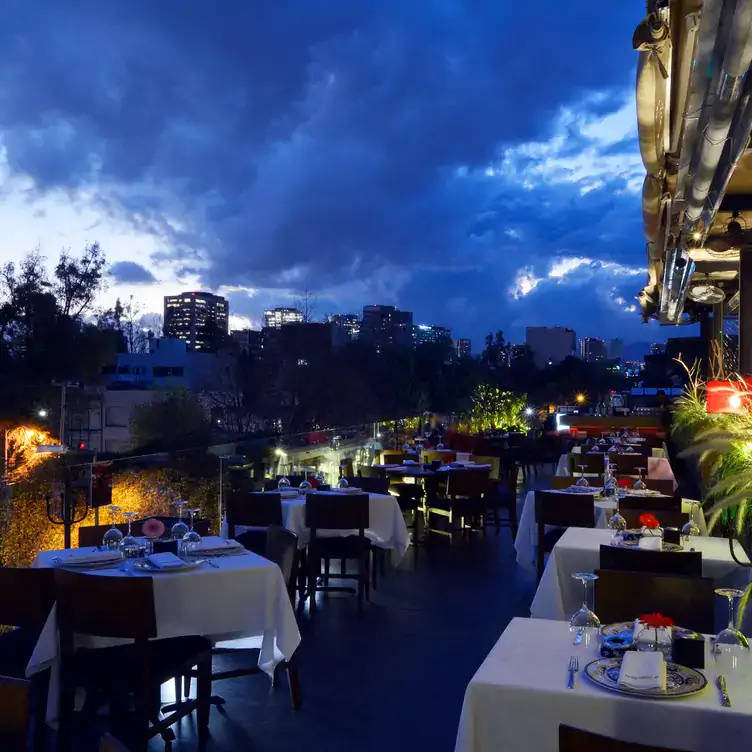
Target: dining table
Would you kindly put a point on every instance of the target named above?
(519, 697)
(226, 598)
(658, 468)
(526, 541)
(558, 595)
(386, 526)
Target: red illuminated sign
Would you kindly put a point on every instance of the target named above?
(733, 397)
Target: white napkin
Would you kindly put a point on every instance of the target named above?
(650, 543)
(87, 556)
(165, 560)
(409, 462)
(215, 543)
(643, 670)
(350, 490)
(289, 493)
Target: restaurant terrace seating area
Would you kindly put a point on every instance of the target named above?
(432, 598)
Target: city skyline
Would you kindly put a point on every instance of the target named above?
(200, 166)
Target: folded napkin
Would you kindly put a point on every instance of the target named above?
(87, 556)
(350, 490)
(215, 543)
(650, 542)
(409, 462)
(289, 493)
(643, 670)
(165, 560)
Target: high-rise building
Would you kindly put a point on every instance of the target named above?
(200, 319)
(592, 350)
(614, 349)
(276, 317)
(462, 347)
(349, 323)
(550, 345)
(431, 335)
(384, 326)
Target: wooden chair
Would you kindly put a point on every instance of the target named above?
(335, 512)
(26, 599)
(627, 464)
(256, 511)
(594, 464)
(138, 667)
(108, 743)
(561, 511)
(502, 494)
(366, 471)
(444, 457)
(662, 485)
(666, 518)
(684, 563)
(392, 458)
(282, 549)
(495, 462)
(370, 485)
(574, 740)
(15, 714)
(654, 503)
(623, 596)
(464, 499)
(91, 535)
(560, 482)
(410, 497)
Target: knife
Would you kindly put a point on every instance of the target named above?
(725, 699)
(578, 636)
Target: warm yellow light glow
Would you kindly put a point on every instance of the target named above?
(580, 398)
(22, 443)
(696, 235)
(735, 401)
(280, 453)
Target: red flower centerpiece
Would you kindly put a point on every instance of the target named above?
(649, 522)
(656, 622)
(153, 528)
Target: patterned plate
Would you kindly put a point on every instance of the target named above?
(143, 565)
(635, 545)
(621, 633)
(680, 680)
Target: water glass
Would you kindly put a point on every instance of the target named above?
(113, 536)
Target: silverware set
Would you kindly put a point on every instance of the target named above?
(574, 667)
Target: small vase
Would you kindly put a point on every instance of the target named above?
(655, 639)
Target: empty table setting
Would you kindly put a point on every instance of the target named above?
(578, 550)
(521, 694)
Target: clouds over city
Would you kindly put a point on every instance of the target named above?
(436, 155)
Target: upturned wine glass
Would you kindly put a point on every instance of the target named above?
(691, 528)
(130, 544)
(343, 483)
(584, 618)
(731, 650)
(639, 484)
(191, 539)
(583, 481)
(179, 529)
(283, 484)
(617, 523)
(112, 536)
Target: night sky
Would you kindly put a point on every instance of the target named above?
(475, 162)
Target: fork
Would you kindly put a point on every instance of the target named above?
(574, 667)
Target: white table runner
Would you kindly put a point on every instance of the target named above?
(519, 696)
(559, 596)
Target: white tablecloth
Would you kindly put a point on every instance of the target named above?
(519, 696)
(386, 528)
(244, 596)
(578, 550)
(526, 542)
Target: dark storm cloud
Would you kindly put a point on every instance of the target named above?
(293, 142)
(129, 272)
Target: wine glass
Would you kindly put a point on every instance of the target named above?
(731, 646)
(283, 484)
(191, 539)
(112, 536)
(603, 437)
(129, 544)
(584, 619)
(342, 483)
(583, 481)
(691, 528)
(639, 484)
(179, 529)
(305, 486)
(617, 523)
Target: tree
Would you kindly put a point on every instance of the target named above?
(175, 420)
(79, 280)
(495, 408)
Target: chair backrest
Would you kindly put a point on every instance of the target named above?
(444, 457)
(91, 535)
(665, 518)
(392, 458)
(104, 606)
(653, 503)
(594, 464)
(257, 509)
(370, 485)
(26, 596)
(627, 464)
(495, 463)
(467, 483)
(365, 471)
(662, 485)
(108, 743)
(564, 510)
(564, 481)
(623, 596)
(15, 714)
(281, 547)
(684, 563)
(336, 511)
(574, 740)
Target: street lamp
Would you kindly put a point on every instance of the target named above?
(580, 398)
(42, 413)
